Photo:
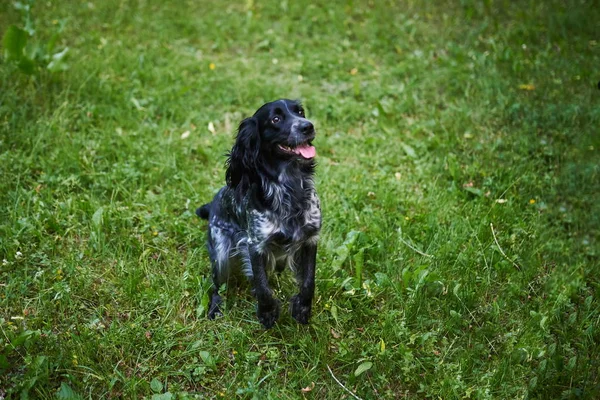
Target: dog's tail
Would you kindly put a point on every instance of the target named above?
(203, 212)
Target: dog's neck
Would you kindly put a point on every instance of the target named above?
(290, 191)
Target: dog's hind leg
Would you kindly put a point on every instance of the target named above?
(215, 300)
(219, 245)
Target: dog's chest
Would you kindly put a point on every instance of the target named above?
(280, 228)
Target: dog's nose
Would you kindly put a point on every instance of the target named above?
(306, 127)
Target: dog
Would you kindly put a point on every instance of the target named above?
(268, 216)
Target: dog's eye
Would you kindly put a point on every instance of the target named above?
(301, 113)
(275, 119)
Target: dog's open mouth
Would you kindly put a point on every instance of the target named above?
(305, 150)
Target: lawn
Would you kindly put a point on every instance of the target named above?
(459, 174)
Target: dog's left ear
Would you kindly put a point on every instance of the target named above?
(243, 157)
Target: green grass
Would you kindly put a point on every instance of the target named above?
(459, 252)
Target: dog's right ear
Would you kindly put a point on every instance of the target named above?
(243, 157)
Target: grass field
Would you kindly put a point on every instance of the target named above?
(459, 174)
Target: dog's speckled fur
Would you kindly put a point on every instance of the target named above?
(268, 215)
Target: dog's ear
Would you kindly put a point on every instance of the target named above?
(243, 157)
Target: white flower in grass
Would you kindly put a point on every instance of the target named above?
(18, 255)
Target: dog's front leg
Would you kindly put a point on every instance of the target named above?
(268, 307)
(300, 304)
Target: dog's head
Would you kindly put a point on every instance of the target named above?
(276, 136)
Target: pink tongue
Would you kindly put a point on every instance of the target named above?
(306, 151)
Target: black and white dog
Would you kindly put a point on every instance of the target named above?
(268, 216)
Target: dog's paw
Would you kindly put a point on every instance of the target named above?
(214, 313)
(299, 310)
(214, 310)
(268, 314)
